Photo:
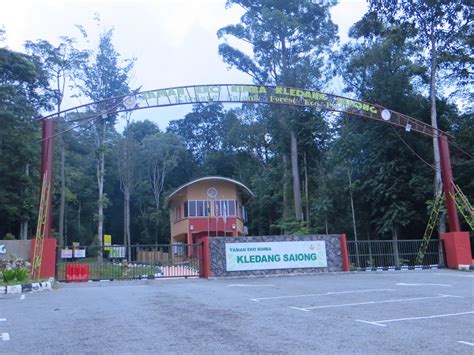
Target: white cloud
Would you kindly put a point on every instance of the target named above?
(174, 41)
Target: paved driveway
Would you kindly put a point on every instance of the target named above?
(385, 312)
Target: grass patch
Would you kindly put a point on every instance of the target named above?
(108, 270)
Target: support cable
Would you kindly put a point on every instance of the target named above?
(411, 150)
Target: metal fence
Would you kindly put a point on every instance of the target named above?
(388, 254)
(128, 262)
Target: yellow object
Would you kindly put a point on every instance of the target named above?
(429, 228)
(107, 241)
(40, 229)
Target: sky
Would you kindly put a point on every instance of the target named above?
(174, 41)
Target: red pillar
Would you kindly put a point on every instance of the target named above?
(344, 253)
(47, 168)
(48, 264)
(205, 267)
(458, 249)
(448, 188)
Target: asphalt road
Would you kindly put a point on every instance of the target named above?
(384, 312)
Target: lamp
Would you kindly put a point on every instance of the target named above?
(408, 127)
(385, 115)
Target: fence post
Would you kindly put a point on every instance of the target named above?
(344, 253)
(205, 265)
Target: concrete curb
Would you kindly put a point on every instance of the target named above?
(31, 287)
(466, 267)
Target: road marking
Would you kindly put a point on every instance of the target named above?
(372, 323)
(378, 322)
(321, 294)
(465, 342)
(5, 336)
(3, 319)
(423, 284)
(242, 285)
(375, 302)
(22, 297)
(300, 309)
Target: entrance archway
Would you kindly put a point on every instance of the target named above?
(243, 93)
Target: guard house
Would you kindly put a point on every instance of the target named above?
(210, 206)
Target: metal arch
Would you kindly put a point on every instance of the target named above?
(243, 93)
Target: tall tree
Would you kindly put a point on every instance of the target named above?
(289, 40)
(444, 27)
(387, 182)
(60, 64)
(201, 129)
(23, 92)
(104, 76)
(162, 152)
(128, 157)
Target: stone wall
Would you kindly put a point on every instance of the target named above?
(18, 248)
(218, 256)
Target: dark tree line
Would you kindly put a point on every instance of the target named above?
(311, 170)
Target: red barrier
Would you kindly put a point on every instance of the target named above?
(77, 272)
(344, 253)
(458, 249)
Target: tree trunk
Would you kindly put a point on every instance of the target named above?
(24, 230)
(124, 219)
(79, 207)
(100, 185)
(24, 224)
(127, 238)
(438, 183)
(396, 254)
(353, 217)
(296, 177)
(306, 192)
(62, 198)
(285, 187)
(144, 222)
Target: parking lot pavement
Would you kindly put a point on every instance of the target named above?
(391, 312)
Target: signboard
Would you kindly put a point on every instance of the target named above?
(275, 255)
(107, 241)
(117, 252)
(79, 253)
(66, 253)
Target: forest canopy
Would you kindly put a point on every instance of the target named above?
(312, 171)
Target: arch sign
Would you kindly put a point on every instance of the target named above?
(255, 94)
(238, 93)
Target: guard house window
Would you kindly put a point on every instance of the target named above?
(231, 207)
(177, 213)
(192, 208)
(199, 208)
(226, 207)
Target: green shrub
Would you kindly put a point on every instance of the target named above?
(9, 275)
(9, 236)
(21, 274)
